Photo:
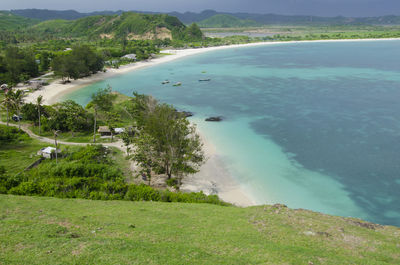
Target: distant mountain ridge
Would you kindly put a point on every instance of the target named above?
(226, 21)
(190, 17)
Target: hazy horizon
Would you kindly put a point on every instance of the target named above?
(349, 8)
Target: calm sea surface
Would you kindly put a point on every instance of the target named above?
(311, 125)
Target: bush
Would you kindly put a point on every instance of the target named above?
(90, 174)
(10, 135)
(172, 182)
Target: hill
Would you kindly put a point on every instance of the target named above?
(39, 230)
(9, 21)
(130, 25)
(226, 21)
(45, 14)
(191, 17)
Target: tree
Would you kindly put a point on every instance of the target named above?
(44, 62)
(17, 101)
(168, 143)
(112, 119)
(7, 104)
(68, 116)
(101, 100)
(82, 61)
(56, 132)
(20, 63)
(145, 154)
(39, 102)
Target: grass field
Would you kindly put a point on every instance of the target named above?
(37, 230)
(18, 156)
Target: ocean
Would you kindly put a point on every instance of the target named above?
(311, 125)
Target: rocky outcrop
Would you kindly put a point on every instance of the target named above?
(217, 118)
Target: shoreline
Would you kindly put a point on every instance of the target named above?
(214, 177)
(54, 92)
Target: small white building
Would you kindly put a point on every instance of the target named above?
(119, 130)
(131, 56)
(48, 152)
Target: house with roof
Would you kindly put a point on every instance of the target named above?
(131, 56)
(49, 152)
(104, 131)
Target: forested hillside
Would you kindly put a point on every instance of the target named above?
(129, 25)
(9, 21)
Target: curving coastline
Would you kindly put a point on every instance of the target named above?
(213, 177)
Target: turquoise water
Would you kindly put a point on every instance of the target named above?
(311, 125)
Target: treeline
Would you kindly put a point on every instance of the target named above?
(69, 59)
(81, 61)
(88, 173)
(335, 35)
(17, 65)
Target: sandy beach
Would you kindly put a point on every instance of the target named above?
(213, 177)
(55, 91)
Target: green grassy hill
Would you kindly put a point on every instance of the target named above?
(39, 230)
(129, 25)
(9, 21)
(226, 21)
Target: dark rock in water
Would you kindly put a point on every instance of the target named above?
(219, 118)
(187, 113)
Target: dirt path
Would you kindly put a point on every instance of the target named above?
(25, 127)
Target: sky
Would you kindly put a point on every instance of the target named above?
(290, 7)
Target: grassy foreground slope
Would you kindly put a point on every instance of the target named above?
(39, 230)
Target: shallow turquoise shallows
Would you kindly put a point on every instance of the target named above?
(310, 125)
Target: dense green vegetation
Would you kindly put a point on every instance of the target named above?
(126, 25)
(81, 61)
(17, 65)
(226, 21)
(89, 173)
(53, 231)
(9, 21)
(165, 142)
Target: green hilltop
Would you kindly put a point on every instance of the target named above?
(226, 21)
(127, 25)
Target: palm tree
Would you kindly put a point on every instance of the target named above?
(56, 132)
(7, 103)
(95, 123)
(17, 102)
(39, 102)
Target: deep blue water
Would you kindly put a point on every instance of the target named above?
(312, 125)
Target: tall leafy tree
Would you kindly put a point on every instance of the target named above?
(168, 143)
(101, 101)
(7, 103)
(17, 99)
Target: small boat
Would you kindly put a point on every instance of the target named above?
(204, 80)
(165, 82)
(177, 84)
